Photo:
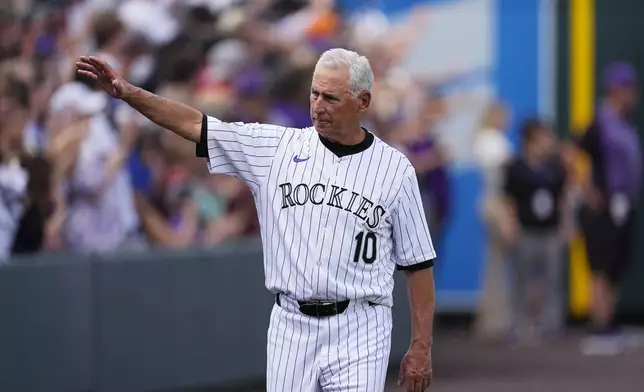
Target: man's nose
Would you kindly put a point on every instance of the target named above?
(317, 107)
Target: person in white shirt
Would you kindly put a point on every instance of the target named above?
(95, 188)
(492, 151)
(14, 112)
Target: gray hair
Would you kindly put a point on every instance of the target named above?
(360, 73)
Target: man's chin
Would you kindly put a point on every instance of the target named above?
(323, 128)
(328, 134)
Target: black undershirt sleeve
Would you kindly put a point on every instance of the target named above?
(416, 267)
(201, 149)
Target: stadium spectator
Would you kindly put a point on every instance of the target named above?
(37, 135)
(608, 211)
(252, 100)
(170, 218)
(534, 187)
(249, 61)
(239, 216)
(317, 20)
(111, 39)
(41, 222)
(96, 219)
(418, 139)
(290, 98)
(11, 31)
(179, 210)
(180, 84)
(14, 112)
(492, 150)
(122, 48)
(153, 19)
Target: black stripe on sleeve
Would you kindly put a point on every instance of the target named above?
(201, 149)
(416, 267)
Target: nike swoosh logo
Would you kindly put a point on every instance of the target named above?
(298, 159)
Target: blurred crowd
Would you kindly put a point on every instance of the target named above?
(83, 172)
(539, 197)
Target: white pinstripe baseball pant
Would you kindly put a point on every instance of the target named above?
(341, 353)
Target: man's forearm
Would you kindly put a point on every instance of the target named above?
(420, 290)
(175, 116)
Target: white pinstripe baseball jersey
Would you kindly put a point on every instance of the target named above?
(335, 220)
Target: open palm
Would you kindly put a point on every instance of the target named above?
(99, 71)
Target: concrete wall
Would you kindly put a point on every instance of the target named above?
(141, 322)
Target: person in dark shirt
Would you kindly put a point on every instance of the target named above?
(607, 214)
(534, 187)
(35, 228)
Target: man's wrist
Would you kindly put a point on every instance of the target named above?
(422, 342)
(131, 93)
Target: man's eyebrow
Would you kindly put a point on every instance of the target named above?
(327, 95)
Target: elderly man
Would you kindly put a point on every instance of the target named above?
(339, 212)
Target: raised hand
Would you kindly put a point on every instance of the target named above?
(99, 71)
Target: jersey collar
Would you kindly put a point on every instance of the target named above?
(342, 150)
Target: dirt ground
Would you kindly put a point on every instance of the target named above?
(464, 365)
(461, 364)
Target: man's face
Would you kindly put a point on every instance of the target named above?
(544, 142)
(628, 95)
(333, 107)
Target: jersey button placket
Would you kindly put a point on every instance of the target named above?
(330, 182)
(334, 181)
(321, 262)
(337, 170)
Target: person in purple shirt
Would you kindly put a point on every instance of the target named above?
(418, 140)
(290, 99)
(251, 103)
(607, 213)
(433, 180)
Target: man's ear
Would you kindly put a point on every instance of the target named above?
(365, 101)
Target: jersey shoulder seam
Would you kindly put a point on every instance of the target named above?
(407, 171)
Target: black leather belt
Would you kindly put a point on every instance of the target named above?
(321, 308)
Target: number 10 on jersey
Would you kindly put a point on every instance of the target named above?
(365, 245)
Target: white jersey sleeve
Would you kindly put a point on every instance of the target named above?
(242, 150)
(411, 237)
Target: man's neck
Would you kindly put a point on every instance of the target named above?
(350, 139)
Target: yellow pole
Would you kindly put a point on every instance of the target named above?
(582, 96)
